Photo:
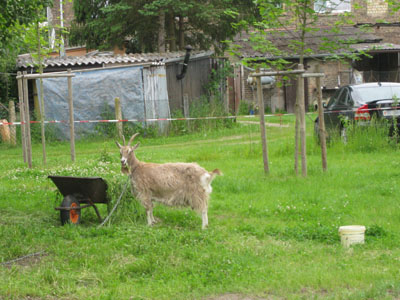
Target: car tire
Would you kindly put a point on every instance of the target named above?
(72, 216)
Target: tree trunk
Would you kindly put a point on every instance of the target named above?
(171, 32)
(181, 34)
(302, 119)
(161, 32)
(322, 136)
(41, 100)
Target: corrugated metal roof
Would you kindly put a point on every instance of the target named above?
(376, 47)
(316, 41)
(26, 60)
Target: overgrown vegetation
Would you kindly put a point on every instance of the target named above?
(269, 236)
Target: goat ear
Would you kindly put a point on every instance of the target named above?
(118, 145)
(136, 146)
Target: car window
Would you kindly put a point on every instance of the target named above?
(333, 101)
(343, 98)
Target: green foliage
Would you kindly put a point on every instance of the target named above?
(16, 13)
(201, 107)
(362, 138)
(203, 24)
(293, 21)
(244, 108)
(129, 209)
(375, 231)
(104, 129)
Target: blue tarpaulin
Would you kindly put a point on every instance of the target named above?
(93, 94)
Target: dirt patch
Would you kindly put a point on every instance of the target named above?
(235, 297)
(266, 124)
(25, 261)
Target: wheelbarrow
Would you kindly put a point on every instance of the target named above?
(76, 191)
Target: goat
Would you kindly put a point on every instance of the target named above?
(173, 184)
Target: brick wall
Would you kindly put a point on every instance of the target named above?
(68, 15)
(68, 12)
(273, 96)
(376, 8)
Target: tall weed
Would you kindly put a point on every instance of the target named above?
(200, 108)
(365, 138)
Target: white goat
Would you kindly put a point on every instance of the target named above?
(173, 184)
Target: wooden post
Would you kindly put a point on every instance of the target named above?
(5, 131)
(297, 129)
(118, 116)
(27, 122)
(321, 121)
(22, 115)
(41, 105)
(71, 117)
(12, 118)
(302, 121)
(262, 125)
(186, 112)
(226, 99)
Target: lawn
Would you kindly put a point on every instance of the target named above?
(269, 237)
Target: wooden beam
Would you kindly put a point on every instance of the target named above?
(277, 73)
(45, 75)
(316, 75)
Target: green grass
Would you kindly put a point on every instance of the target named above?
(272, 237)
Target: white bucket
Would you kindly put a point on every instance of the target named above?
(352, 234)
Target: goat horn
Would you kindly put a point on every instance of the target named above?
(123, 139)
(132, 138)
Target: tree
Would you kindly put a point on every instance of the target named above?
(139, 25)
(295, 21)
(14, 17)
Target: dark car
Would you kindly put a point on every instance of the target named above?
(361, 103)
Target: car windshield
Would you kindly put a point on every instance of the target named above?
(373, 93)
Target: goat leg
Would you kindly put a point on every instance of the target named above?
(150, 217)
(204, 219)
(148, 205)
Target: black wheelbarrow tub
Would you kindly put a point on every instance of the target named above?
(88, 189)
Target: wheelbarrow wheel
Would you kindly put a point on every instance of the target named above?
(72, 216)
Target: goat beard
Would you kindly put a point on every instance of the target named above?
(124, 169)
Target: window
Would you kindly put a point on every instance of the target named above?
(333, 101)
(343, 98)
(332, 6)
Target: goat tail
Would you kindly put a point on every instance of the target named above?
(215, 173)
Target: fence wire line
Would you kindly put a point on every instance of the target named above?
(124, 120)
(198, 118)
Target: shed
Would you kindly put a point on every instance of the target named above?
(146, 84)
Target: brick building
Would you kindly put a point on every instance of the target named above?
(381, 42)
